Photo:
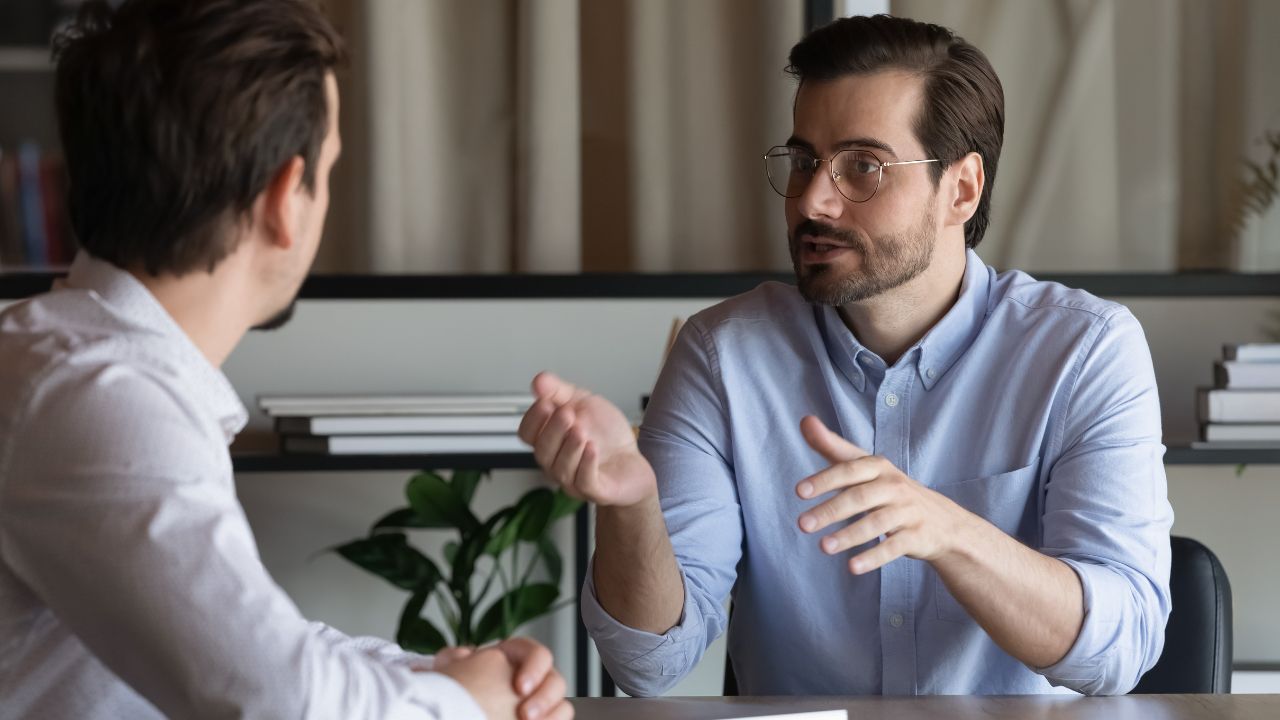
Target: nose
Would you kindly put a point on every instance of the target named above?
(820, 198)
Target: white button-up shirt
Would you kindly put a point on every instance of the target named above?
(130, 583)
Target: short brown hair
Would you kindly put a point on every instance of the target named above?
(175, 115)
(963, 108)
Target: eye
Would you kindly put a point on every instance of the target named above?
(863, 166)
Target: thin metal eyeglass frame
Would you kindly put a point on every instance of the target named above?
(831, 169)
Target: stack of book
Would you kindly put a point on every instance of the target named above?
(1242, 409)
(398, 424)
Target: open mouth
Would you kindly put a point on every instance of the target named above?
(818, 251)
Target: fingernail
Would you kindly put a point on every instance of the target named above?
(526, 687)
(855, 566)
(829, 544)
(532, 710)
(805, 489)
(807, 523)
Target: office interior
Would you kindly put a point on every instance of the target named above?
(488, 142)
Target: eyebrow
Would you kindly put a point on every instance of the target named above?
(860, 142)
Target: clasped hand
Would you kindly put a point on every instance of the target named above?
(913, 520)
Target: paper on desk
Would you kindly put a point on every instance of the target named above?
(813, 715)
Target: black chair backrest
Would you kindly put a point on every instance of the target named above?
(1197, 641)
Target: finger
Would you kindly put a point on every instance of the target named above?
(450, 654)
(532, 660)
(552, 437)
(587, 479)
(863, 496)
(891, 548)
(828, 444)
(535, 418)
(884, 521)
(565, 465)
(845, 474)
(547, 385)
(548, 695)
(563, 711)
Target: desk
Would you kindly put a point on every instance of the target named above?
(954, 707)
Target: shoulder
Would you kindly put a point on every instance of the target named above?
(1050, 308)
(771, 302)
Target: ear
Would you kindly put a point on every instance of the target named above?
(280, 211)
(969, 179)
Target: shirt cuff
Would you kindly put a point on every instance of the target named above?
(639, 650)
(1081, 669)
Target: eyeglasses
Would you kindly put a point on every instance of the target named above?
(856, 173)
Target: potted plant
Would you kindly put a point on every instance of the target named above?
(498, 573)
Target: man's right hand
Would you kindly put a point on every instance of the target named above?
(586, 445)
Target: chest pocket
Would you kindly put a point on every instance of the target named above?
(1008, 501)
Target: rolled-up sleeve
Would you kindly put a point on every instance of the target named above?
(1107, 513)
(685, 437)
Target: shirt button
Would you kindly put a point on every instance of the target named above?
(866, 359)
(896, 620)
(931, 373)
(891, 400)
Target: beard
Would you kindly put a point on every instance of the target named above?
(277, 321)
(887, 262)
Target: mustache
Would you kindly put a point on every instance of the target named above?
(815, 229)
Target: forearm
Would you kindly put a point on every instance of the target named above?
(1031, 605)
(637, 578)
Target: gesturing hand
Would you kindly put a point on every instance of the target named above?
(585, 444)
(915, 521)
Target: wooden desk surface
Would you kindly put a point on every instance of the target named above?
(956, 707)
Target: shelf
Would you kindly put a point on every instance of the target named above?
(278, 462)
(683, 285)
(1187, 455)
(34, 58)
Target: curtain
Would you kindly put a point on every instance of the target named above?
(1127, 124)
(568, 135)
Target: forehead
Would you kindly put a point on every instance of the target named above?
(880, 106)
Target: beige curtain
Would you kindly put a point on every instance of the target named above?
(560, 135)
(1126, 125)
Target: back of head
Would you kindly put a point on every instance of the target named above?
(963, 107)
(174, 115)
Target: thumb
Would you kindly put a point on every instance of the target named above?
(828, 444)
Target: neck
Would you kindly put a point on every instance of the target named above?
(889, 324)
(209, 307)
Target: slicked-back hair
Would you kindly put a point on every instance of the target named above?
(174, 116)
(963, 106)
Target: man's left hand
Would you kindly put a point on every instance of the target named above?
(911, 519)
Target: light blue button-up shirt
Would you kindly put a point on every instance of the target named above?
(1030, 404)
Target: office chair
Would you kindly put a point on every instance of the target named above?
(1197, 640)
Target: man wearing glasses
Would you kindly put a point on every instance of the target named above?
(914, 475)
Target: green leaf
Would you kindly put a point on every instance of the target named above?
(527, 603)
(507, 530)
(389, 556)
(410, 518)
(551, 556)
(465, 483)
(450, 552)
(564, 505)
(536, 506)
(430, 495)
(470, 549)
(415, 632)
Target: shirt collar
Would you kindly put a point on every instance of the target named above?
(131, 299)
(937, 351)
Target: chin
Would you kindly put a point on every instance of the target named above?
(280, 319)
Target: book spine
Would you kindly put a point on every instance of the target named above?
(32, 204)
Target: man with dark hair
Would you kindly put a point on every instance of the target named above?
(914, 475)
(199, 137)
